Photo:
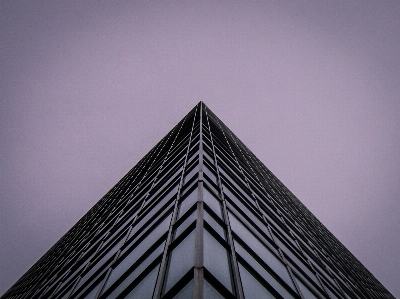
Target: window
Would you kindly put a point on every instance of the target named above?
(216, 260)
(181, 261)
(252, 288)
(130, 268)
(212, 202)
(145, 288)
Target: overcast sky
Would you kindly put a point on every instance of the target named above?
(87, 88)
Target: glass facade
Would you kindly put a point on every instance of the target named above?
(198, 217)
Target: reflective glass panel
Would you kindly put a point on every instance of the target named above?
(212, 202)
(192, 173)
(216, 260)
(210, 292)
(305, 290)
(188, 202)
(252, 288)
(214, 224)
(182, 259)
(186, 292)
(185, 224)
(263, 252)
(263, 273)
(156, 233)
(124, 266)
(210, 174)
(92, 292)
(144, 290)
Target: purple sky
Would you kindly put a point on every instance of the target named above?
(312, 88)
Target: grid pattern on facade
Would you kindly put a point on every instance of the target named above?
(198, 217)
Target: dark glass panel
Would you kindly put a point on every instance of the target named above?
(332, 294)
(208, 157)
(216, 260)
(182, 259)
(192, 157)
(242, 204)
(189, 185)
(192, 173)
(252, 288)
(209, 173)
(92, 293)
(155, 206)
(252, 220)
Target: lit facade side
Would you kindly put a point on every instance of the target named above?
(198, 217)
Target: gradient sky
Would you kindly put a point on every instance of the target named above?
(87, 88)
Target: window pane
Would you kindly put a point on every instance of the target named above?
(210, 292)
(214, 224)
(216, 260)
(182, 259)
(263, 252)
(124, 266)
(186, 292)
(192, 173)
(252, 288)
(185, 224)
(99, 264)
(212, 202)
(141, 227)
(210, 174)
(151, 238)
(188, 202)
(305, 291)
(92, 293)
(263, 273)
(144, 290)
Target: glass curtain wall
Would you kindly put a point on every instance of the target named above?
(198, 217)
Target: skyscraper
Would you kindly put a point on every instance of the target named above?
(198, 217)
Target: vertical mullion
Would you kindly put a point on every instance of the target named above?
(138, 213)
(198, 292)
(259, 208)
(237, 280)
(164, 262)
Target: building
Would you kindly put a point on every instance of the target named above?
(198, 217)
